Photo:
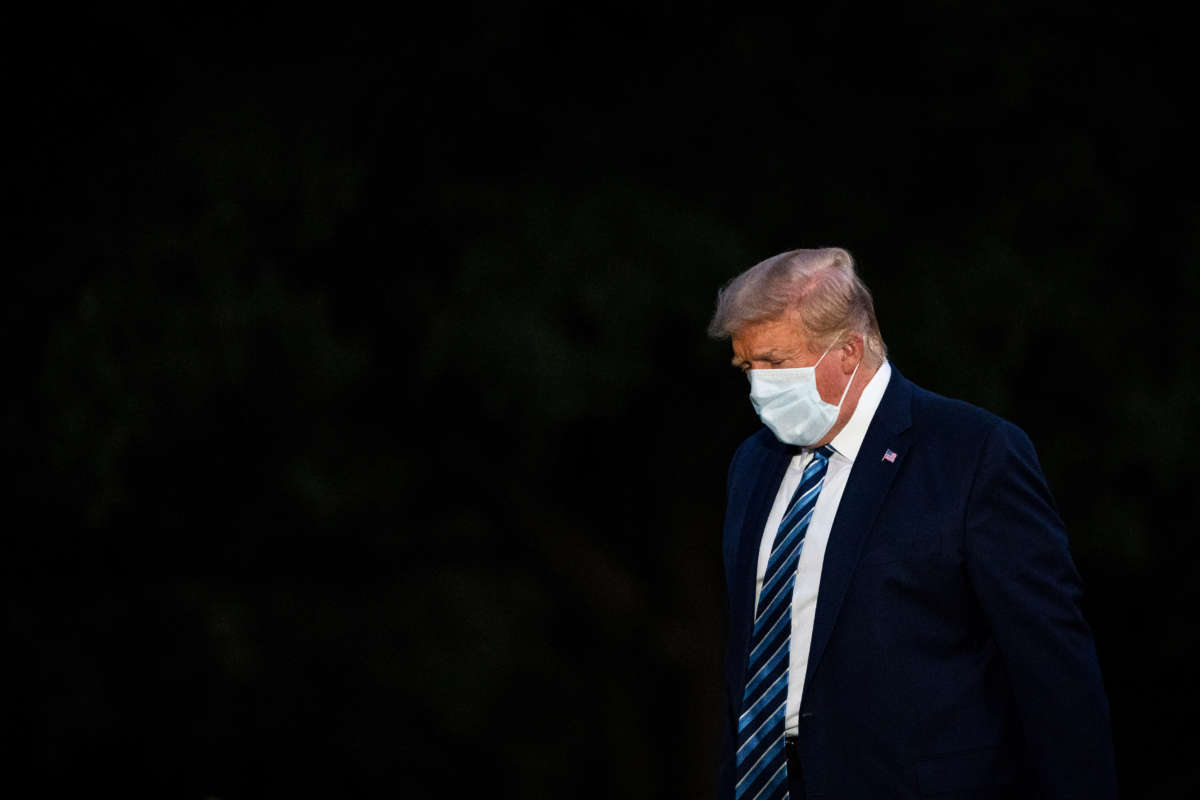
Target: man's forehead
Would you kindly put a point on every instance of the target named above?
(782, 332)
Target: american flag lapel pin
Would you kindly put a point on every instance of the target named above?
(890, 456)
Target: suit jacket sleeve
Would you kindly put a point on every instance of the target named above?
(1028, 588)
(726, 757)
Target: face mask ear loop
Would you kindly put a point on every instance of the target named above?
(847, 389)
(822, 358)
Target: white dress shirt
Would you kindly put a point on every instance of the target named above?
(812, 554)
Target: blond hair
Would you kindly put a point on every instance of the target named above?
(821, 286)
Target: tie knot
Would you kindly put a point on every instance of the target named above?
(823, 452)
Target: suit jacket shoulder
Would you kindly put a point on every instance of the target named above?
(939, 416)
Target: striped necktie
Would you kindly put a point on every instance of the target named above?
(761, 758)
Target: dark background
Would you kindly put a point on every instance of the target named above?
(364, 435)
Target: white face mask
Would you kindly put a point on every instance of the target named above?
(787, 401)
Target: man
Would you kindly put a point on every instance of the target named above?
(903, 609)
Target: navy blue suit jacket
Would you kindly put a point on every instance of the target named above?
(949, 656)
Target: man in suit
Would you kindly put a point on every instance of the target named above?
(903, 609)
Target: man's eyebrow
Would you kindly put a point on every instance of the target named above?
(769, 355)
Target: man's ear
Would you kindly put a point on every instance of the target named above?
(852, 353)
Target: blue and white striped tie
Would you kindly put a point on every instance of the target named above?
(761, 758)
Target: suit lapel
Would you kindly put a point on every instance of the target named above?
(769, 472)
(870, 479)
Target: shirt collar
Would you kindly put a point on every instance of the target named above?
(850, 438)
